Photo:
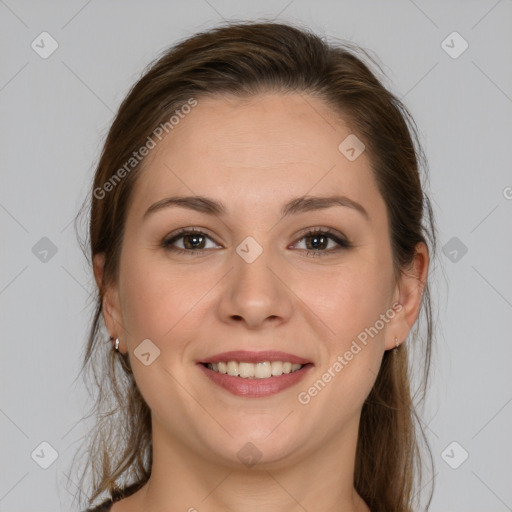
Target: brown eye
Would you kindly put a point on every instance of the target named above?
(193, 241)
(317, 242)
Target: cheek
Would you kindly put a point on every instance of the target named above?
(352, 350)
(162, 300)
(144, 305)
(159, 304)
(347, 299)
(153, 298)
(350, 302)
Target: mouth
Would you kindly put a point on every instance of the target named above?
(255, 374)
(259, 370)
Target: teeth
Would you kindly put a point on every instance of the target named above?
(262, 370)
(233, 368)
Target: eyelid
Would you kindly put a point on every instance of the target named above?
(339, 238)
(180, 233)
(334, 233)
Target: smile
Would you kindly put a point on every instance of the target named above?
(260, 370)
(261, 384)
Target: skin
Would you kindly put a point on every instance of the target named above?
(254, 155)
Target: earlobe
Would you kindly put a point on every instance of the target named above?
(408, 295)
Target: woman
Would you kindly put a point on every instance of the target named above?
(261, 242)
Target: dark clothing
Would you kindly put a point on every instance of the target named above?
(104, 507)
(117, 495)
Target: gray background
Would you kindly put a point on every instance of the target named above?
(55, 113)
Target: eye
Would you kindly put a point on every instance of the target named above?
(193, 242)
(319, 242)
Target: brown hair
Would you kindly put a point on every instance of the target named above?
(245, 58)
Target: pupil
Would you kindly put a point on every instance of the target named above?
(193, 237)
(317, 237)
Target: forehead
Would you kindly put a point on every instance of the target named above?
(255, 150)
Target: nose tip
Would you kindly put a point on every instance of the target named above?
(254, 294)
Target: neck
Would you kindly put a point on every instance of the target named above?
(320, 478)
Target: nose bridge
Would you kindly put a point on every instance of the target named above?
(255, 292)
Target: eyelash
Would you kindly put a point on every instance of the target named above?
(343, 244)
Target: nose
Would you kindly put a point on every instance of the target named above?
(256, 293)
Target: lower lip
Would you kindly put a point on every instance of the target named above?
(256, 388)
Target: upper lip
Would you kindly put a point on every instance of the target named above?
(255, 357)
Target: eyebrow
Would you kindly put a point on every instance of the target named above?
(298, 205)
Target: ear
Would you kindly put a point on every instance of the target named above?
(110, 307)
(408, 294)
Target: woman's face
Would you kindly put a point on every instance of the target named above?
(254, 280)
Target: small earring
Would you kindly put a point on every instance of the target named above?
(396, 343)
(116, 347)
